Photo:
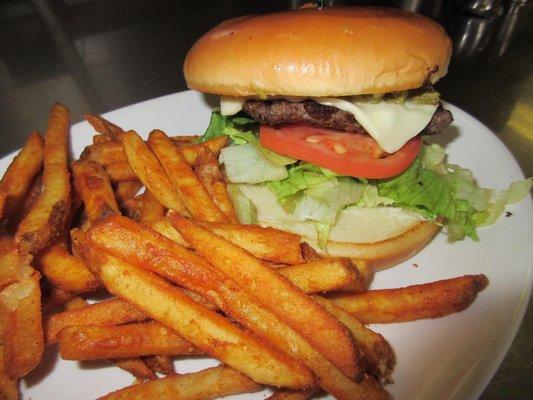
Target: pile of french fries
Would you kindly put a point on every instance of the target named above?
(151, 223)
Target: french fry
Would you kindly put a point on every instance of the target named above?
(208, 384)
(151, 173)
(377, 351)
(127, 190)
(101, 139)
(325, 333)
(151, 209)
(324, 275)
(190, 152)
(56, 297)
(66, 271)
(104, 153)
(74, 304)
(3, 197)
(20, 308)
(149, 250)
(206, 329)
(160, 364)
(269, 244)
(18, 177)
(192, 192)
(124, 341)
(207, 169)
(96, 190)
(9, 389)
(10, 262)
(428, 300)
(164, 227)
(133, 208)
(105, 313)
(104, 127)
(183, 140)
(288, 394)
(28, 201)
(120, 172)
(47, 218)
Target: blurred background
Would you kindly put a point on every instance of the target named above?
(99, 55)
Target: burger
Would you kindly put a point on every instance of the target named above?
(327, 110)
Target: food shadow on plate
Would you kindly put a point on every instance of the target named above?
(445, 137)
(50, 358)
(211, 100)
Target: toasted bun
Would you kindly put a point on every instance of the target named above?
(333, 51)
(382, 236)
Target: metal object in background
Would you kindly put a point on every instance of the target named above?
(483, 8)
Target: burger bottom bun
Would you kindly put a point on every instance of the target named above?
(381, 236)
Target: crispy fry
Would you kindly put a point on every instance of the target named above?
(193, 194)
(125, 341)
(324, 275)
(428, 300)
(104, 153)
(377, 351)
(133, 208)
(18, 177)
(151, 209)
(55, 298)
(120, 172)
(100, 139)
(66, 271)
(74, 304)
(208, 384)
(3, 197)
(46, 220)
(207, 330)
(9, 389)
(105, 313)
(207, 169)
(20, 308)
(104, 127)
(10, 262)
(287, 394)
(160, 364)
(183, 140)
(312, 321)
(269, 244)
(164, 227)
(215, 145)
(126, 191)
(96, 190)
(151, 173)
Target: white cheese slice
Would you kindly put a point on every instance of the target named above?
(391, 125)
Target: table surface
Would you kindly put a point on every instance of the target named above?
(96, 56)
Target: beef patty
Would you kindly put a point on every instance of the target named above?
(277, 112)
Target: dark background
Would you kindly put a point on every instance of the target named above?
(96, 56)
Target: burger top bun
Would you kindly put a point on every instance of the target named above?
(332, 51)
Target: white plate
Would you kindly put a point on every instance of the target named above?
(448, 358)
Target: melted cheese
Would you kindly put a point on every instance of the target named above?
(391, 125)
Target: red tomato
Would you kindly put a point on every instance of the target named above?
(351, 154)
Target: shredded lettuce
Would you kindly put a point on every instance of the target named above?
(244, 164)
(244, 208)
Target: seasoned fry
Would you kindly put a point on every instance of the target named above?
(151, 173)
(160, 364)
(151, 209)
(208, 384)
(120, 172)
(377, 351)
(428, 300)
(135, 366)
(3, 197)
(74, 304)
(46, 220)
(105, 313)
(66, 271)
(193, 194)
(207, 169)
(324, 275)
(96, 190)
(215, 145)
(206, 329)
(126, 191)
(104, 127)
(100, 139)
(125, 341)
(183, 140)
(104, 153)
(20, 308)
(9, 263)
(269, 244)
(312, 321)
(287, 394)
(18, 177)
(9, 389)
(55, 298)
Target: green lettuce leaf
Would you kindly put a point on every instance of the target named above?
(244, 208)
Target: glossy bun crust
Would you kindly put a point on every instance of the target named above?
(333, 51)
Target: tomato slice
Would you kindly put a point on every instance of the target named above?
(351, 154)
